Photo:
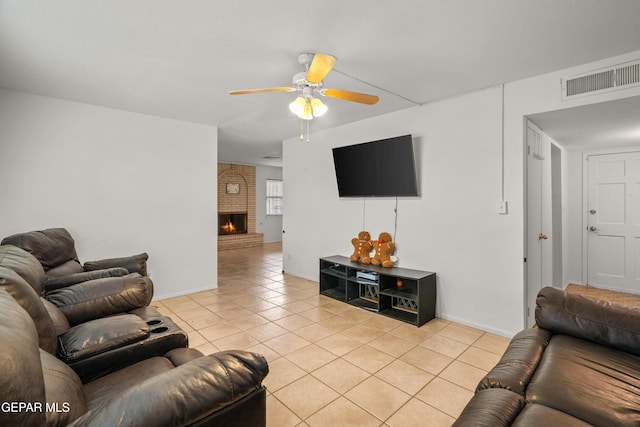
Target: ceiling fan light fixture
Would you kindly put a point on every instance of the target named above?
(297, 106)
(319, 108)
(307, 112)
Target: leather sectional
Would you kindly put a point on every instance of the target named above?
(579, 367)
(88, 350)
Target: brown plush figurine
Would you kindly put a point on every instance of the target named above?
(384, 248)
(362, 248)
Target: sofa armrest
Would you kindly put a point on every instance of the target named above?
(133, 264)
(495, 407)
(101, 335)
(184, 395)
(602, 322)
(102, 297)
(75, 278)
(519, 362)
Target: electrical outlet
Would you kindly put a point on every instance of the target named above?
(502, 207)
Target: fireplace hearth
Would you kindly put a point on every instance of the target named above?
(232, 223)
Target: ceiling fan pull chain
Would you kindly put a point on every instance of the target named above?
(301, 130)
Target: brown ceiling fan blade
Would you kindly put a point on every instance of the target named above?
(362, 98)
(263, 90)
(320, 66)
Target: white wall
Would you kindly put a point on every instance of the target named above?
(453, 228)
(542, 94)
(269, 225)
(120, 182)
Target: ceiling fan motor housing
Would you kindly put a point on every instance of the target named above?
(305, 59)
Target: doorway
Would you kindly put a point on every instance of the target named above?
(543, 256)
(595, 128)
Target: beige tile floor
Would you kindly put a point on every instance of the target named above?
(332, 364)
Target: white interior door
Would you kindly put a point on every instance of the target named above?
(539, 263)
(613, 221)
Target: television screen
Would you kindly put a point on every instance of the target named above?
(383, 168)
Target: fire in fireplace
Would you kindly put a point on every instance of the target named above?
(232, 223)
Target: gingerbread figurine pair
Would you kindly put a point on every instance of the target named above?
(383, 247)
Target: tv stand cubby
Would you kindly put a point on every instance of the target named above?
(401, 293)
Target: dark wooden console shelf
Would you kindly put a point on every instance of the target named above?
(413, 302)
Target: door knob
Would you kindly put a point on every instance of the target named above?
(542, 236)
(592, 228)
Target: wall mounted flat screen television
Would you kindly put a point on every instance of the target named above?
(382, 168)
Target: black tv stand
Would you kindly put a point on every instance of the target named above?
(401, 293)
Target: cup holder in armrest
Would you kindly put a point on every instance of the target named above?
(154, 322)
(159, 329)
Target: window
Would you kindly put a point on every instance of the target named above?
(274, 197)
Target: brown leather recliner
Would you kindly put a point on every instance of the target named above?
(96, 326)
(181, 388)
(55, 249)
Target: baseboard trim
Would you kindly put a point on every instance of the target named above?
(183, 292)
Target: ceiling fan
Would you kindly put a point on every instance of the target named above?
(310, 82)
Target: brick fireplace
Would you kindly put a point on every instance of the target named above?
(237, 207)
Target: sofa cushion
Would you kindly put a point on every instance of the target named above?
(133, 264)
(603, 322)
(29, 300)
(63, 389)
(52, 247)
(25, 264)
(597, 384)
(108, 387)
(537, 415)
(83, 276)
(21, 378)
(63, 270)
(59, 320)
(102, 297)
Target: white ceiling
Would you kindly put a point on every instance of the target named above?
(179, 59)
(607, 124)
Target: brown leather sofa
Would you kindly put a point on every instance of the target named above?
(96, 326)
(180, 388)
(55, 249)
(579, 367)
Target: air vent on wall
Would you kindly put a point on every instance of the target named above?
(612, 78)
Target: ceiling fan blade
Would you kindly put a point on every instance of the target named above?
(263, 90)
(320, 66)
(362, 98)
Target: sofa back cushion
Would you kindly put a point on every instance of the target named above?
(25, 264)
(610, 324)
(52, 247)
(63, 391)
(29, 300)
(21, 380)
(65, 269)
(595, 383)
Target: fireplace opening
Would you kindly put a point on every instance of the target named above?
(232, 223)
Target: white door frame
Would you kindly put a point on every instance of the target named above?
(542, 152)
(585, 217)
(550, 257)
